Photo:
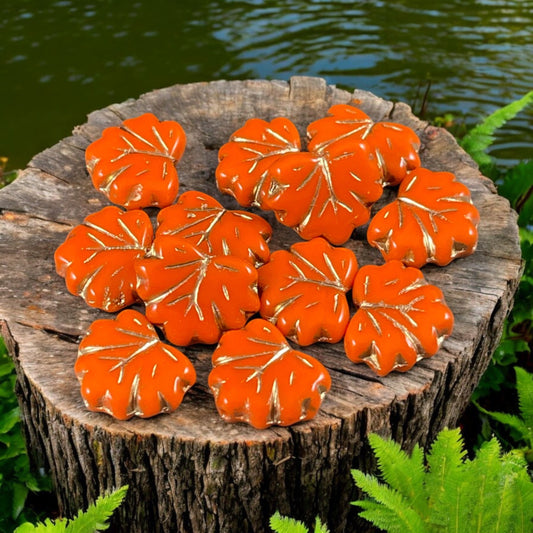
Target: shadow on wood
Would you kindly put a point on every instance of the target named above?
(190, 471)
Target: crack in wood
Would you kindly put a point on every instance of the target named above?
(21, 217)
(68, 337)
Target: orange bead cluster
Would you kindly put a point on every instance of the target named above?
(204, 270)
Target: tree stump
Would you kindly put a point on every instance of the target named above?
(190, 471)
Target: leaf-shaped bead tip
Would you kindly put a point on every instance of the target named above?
(394, 146)
(97, 257)
(325, 194)
(215, 230)
(125, 370)
(134, 164)
(431, 221)
(251, 149)
(259, 379)
(193, 296)
(303, 291)
(401, 318)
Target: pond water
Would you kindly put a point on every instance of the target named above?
(62, 59)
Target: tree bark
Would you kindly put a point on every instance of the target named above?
(190, 471)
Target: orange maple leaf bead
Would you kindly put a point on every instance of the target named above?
(193, 296)
(400, 320)
(395, 146)
(97, 257)
(431, 221)
(325, 194)
(303, 291)
(244, 160)
(259, 379)
(215, 230)
(134, 164)
(125, 370)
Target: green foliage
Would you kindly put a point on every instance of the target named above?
(522, 424)
(448, 493)
(517, 338)
(283, 524)
(516, 184)
(479, 138)
(16, 479)
(94, 519)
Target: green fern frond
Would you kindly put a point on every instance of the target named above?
(48, 526)
(513, 466)
(444, 461)
(492, 492)
(402, 472)
(443, 480)
(524, 387)
(522, 518)
(523, 424)
(284, 524)
(480, 490)
(320, 527)
(90, 521)
(479, 138)
(380, 516)
(400, 517)
(510, 420)
(97, 515)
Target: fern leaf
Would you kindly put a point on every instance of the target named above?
(320, 527)
(511, 420)
(516, 184)
(445, 463)
(380, 516)
(524, 387)
(523, 500)
(403, 473)
(446, 456)
(513, 465)
(480, 489)
(479, 138)
(97, 514)
(524, 423)
(284, 524)
(400, 517)
(48, 526)
(90, 521)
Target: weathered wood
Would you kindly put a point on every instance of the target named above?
(190, 471)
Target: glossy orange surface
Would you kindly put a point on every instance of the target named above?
(395, 146)
(400, 318)
(325, 194)
(125, 370)
(303, 291)
(215, 230)
(134, 164)
(259, 379)
(250, 151)
(97, 257)
(431, 221)
(193, 296)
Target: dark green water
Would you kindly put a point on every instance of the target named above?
(59, 60)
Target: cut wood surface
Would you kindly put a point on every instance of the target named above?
(190, 471)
